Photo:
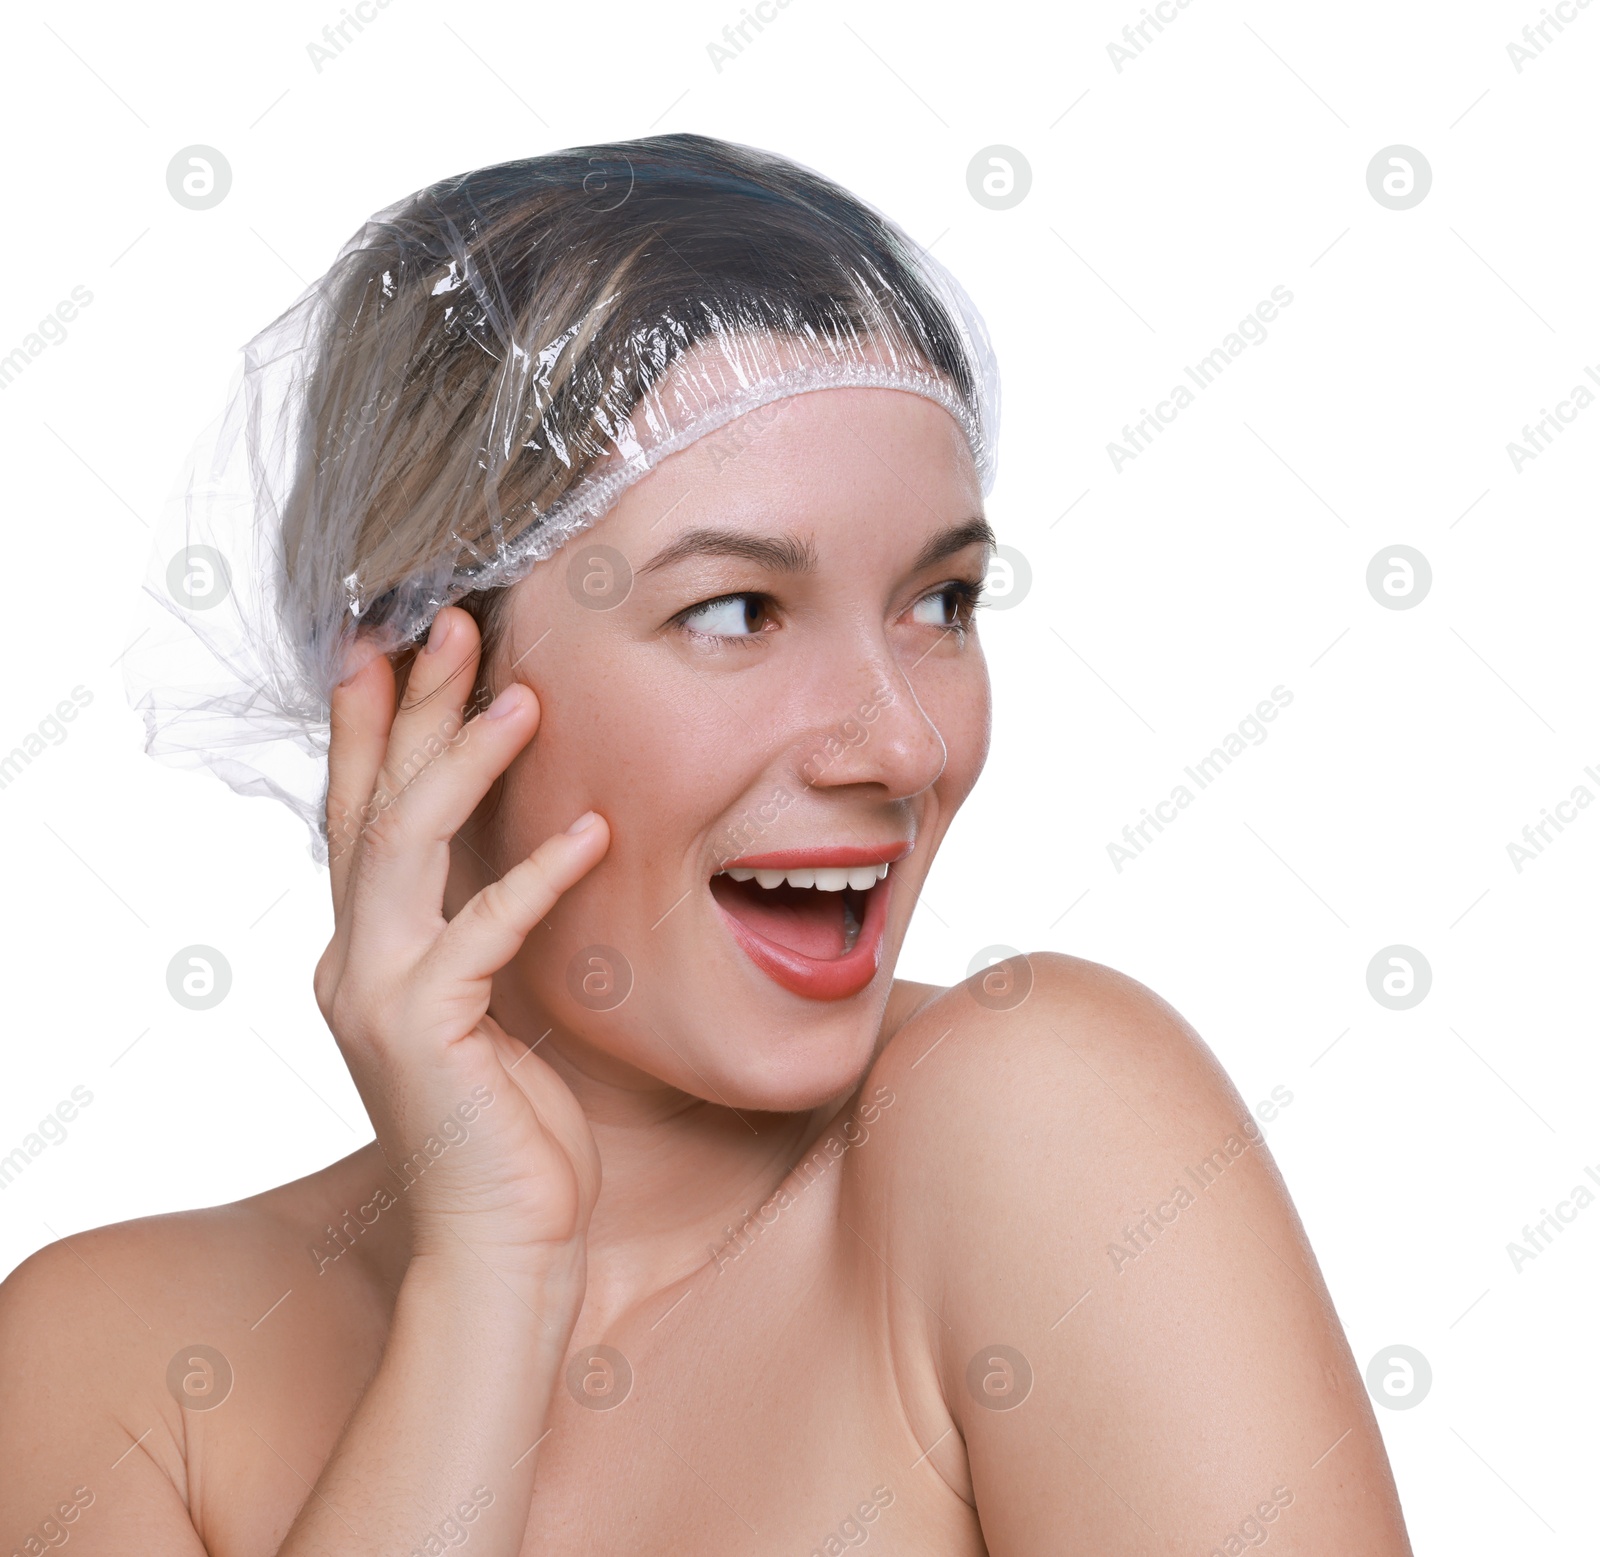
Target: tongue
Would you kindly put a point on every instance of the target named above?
(800, 918)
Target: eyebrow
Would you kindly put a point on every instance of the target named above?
(795, 554)
(956, 537)
(779, 553)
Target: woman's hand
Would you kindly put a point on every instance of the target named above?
(491, 1151)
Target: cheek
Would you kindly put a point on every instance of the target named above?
(649, 754)
(957, 701)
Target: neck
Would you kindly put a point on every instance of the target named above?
(676, 1171)
(676, 1174)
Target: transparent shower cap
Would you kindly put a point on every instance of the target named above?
(484, 369)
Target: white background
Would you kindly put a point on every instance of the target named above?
(1168, 598)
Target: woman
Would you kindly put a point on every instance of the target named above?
(687, 1227)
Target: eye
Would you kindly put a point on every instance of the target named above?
(950, 606)
(728, 616)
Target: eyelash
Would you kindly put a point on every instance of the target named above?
(968, 593)
(743, 640)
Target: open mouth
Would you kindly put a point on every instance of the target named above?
(812, 920)
(818, 913)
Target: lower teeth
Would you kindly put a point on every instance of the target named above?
(852, 924)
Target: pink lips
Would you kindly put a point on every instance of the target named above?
(821, 978)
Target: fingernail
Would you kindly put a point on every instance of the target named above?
(584, 822)
(362, 659)
(437, 633)
(505, 702)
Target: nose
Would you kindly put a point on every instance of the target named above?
(880, 734)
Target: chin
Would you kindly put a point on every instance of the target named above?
(810, 1064)
(732, 1037)
(805, 942)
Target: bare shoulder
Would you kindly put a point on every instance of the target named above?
(205, 1269)
(118, 1344)
(1043, 1110)
(1078, 1212)
(1046, 1067)
(1044, 1042)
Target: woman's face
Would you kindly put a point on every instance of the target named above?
(761, 657)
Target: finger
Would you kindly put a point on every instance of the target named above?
(359, 714)
(432, 710)
(493, 924)
(405, 855)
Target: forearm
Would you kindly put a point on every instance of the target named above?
(447, 1428)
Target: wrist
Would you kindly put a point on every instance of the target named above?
(538, 1291)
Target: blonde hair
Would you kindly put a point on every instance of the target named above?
(482, 340)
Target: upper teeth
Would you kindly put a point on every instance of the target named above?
(830, 879)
